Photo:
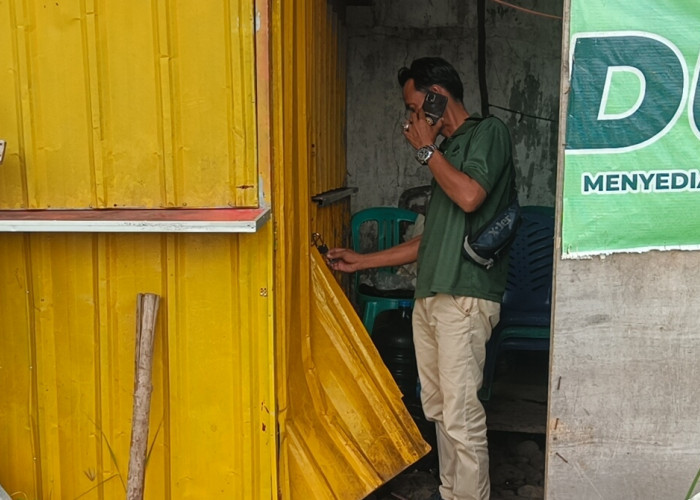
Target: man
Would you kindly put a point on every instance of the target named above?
(457, 302)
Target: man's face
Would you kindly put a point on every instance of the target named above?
(412, 97)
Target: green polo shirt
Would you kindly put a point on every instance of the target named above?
(482, 150)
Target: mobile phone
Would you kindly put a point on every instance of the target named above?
(434, 106)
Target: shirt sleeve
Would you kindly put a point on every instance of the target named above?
(488, 154)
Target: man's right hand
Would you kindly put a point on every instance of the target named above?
(344, 259)
(349, 261)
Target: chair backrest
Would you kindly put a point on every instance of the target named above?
(528, 297)
(416, 198)
(383, 227)
(391, 223)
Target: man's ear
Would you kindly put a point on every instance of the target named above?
(438, 89)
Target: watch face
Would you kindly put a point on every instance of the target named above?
(424, 154)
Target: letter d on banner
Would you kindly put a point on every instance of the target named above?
(659, 94)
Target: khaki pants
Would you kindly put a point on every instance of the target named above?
(450, 335)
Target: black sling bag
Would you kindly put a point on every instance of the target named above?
(491, 240)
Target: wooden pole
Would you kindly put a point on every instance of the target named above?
(146, 315)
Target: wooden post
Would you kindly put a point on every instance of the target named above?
(146, 315)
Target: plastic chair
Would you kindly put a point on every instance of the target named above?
(416, 198)
(391, 223)
(527, 301)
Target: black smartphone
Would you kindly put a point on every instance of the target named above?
(434, 106)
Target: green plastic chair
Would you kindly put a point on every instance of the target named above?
(391, 224)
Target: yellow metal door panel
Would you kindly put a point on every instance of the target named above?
(55, 124)
(346, 428)
(343, 428)
(126, 265)
(13, 187)
(18, 469)
(134, 165)
(65, 319)
(214, 79)
(69, 303)
(217, 379)
(123, 104)
(84, 361)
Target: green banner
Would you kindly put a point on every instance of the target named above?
(632, 156)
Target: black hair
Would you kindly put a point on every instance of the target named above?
(428, 71)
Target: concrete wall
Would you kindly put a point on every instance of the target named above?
(523, 60)
(623, 417)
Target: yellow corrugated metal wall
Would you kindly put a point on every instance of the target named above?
(326, 50)
(127, 104)
(162, 106)
(343, 428)
(67, 314)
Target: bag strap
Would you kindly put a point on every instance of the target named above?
(487, 263)
(513, 196)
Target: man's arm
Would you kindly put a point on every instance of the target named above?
(349, 261)
(464, 191)
(461, 189)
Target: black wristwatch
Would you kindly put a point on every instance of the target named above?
(423, 154)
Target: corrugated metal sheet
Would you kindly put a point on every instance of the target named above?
(346, 430)
(343, 428)
(326, 80)
(67, 313)
(124, 105)
(134, 105)
(128, 104)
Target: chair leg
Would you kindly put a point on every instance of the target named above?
(485, 394)
(489, 370)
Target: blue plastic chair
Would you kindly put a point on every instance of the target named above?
(391, 223)
(527, 301)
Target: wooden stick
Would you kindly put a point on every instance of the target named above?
(146, 315)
